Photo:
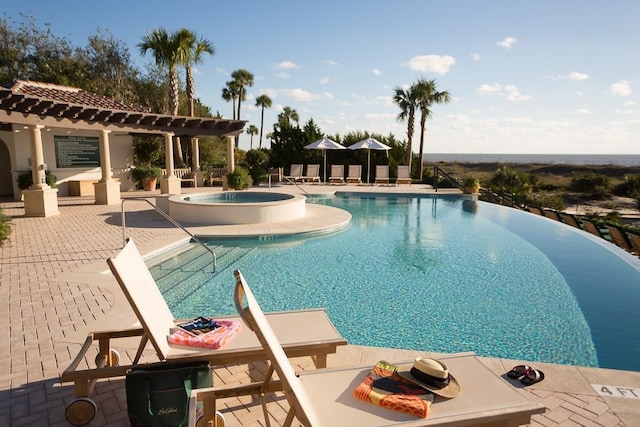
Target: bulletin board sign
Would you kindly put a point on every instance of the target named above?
(77, 151)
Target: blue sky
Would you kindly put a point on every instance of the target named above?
(541, 76)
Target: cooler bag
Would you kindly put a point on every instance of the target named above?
(158, 395)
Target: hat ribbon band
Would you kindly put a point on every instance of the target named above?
(430, 379)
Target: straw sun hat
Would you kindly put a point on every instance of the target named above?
(432, 375)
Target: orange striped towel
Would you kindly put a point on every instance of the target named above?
(214, 339)
(383, 386)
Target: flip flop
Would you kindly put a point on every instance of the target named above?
(518, 371)
(532, 376)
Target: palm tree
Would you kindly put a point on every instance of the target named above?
(287, 115)
(231, 93)
(190, 52)
(252, 130)
(426, 95)
(406, 100)
(242, 78)
(263, 101)
(164, 47)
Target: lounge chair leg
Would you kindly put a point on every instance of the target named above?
(319, 360)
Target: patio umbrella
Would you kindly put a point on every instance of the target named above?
(369, 144)
(325, 144)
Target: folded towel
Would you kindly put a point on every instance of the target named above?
(384, 387)
(215, 339)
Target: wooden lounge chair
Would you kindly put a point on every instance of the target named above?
(569, 219)
(337, 174)
(618, 236)
(634, 238)
(313, 173)
(303, 332)
(354, 174)
(404, 175)
(325, 397)
(382, 174)
(591, 227)
(295, 173)
(551, 214)
(535, 210)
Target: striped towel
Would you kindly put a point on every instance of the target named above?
(214, 339)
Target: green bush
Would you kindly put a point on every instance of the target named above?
(592, 183)
(544, 200)
(507, 180)
(5, 227)
(258, 163)
(25, 180)
(141, 173)
(239, 179)
(629, 188)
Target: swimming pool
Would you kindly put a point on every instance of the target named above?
(439, 274)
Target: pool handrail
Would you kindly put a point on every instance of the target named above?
(171, 220)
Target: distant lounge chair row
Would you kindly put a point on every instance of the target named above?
(354, 175)
(295, 173)
(620, 236)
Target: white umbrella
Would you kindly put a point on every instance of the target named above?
(325, 144)
(369, 144)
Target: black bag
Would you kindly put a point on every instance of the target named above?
(158, 395)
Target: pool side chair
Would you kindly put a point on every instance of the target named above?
(535, 210)
(303, 332)
(324, 397)
(551, 214)
(313, 173)
(354, 174)
(295, 173)
(618, 236)
(404, 175)
(634, 238)
(337, 174)
(591, 227)
(382, 174)
(569, 219)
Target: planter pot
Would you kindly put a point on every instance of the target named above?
(471, 190)
(149, 184)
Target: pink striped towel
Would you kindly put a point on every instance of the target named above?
(214, 339)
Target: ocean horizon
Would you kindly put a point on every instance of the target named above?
(569, 159)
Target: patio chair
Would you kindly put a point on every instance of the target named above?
(337, 174)
(313, 173)
(591, 227)
(303, 333)
(382, 174)
(551, 214)
(404, 175)
(634, 239)
(325, 397)
(295, 173)
(354, 174)
(619, 237)
(535, 210)
(569, 219)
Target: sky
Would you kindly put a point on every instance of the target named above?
(539, 77)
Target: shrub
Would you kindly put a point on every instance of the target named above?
(239, 179)
(258, 163)
(5, 227)
(592, 183)
(507, 180)
(629, 188)
(25, 180)
(544, 200)
(141, 173)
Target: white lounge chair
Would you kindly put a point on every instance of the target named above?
(354, 174)
(303, 332)
(313, 173)
(325, 397)
(295, 173)
(404, 175)
(337, 174)
(382, 174)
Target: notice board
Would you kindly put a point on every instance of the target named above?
(77, 151)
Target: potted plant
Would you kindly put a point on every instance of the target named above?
(147, 176)
(25, 180)
(470, 185)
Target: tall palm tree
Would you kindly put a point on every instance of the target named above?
(242, 78)
(287, 115)
(231, 93)
(263, 101)
(191, 50)
(164, 47)
(426, 95)
(252, 130)
(406, 100)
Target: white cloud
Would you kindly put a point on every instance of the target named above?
(283, 75)
(298, 94)
(286, 65)
(475, 56)
(577, 76)
(507, 42)
(583, 111)
(377, 72)
(621, 88)
(324, 80)
(438, 64)
(330, 62)
(509, 91)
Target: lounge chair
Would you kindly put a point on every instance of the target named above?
(535, 210)
(313, 173)
(295, 173)
(354, 175)
(337, 174)
(591, 227)
(551, 214)
(382, 174)
(404, 175)
(569, 219)
(325, 397)
(618, 236)
(634, 238)
(303, 332)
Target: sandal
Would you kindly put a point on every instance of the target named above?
(518, 371)
(532, 376)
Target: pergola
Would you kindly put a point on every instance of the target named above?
(37, 105)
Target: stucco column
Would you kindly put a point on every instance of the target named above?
(231, 153)
(37, 158)
(168, 153)
(195, 154)
(169, 184)
(107, 191)
(105, 155)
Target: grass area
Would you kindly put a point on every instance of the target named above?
(5, 227)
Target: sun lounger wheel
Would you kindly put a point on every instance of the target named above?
(115, 359)
(81, 411)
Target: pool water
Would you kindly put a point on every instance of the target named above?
(433, 273)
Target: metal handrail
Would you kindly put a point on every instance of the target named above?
(439, 172)
(171, 220)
